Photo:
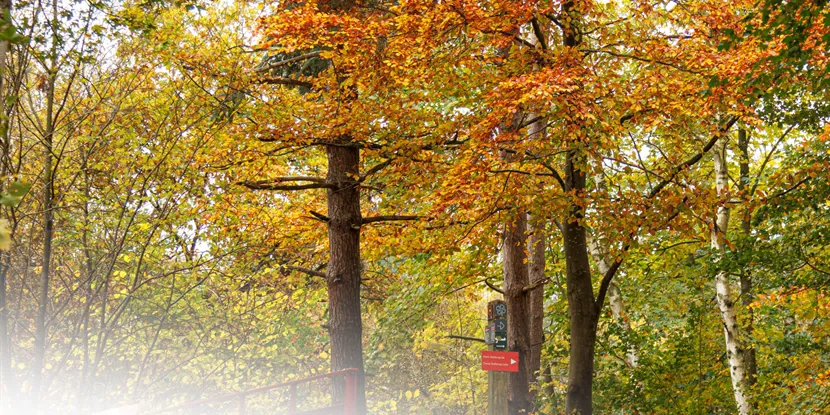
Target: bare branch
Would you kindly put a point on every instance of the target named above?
(374, 169)
(527, 173)
(606, 281)
(389, 218)
(308, 271)
(319, 216)
(493, 287)
(276, 185)
(472, 339)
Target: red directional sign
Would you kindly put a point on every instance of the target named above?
(500, 361)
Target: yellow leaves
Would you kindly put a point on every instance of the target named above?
(5, 235)
(413, 394)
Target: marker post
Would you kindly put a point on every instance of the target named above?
(496, 340)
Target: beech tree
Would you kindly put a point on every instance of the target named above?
(211, 170)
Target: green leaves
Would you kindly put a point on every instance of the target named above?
(16, 192)
(8, 32)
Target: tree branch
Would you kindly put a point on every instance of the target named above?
(795, 186)
(537, 31)
(288, 61)
(472, 339)
(641, 59)
(767, 158)
(374, 169)
(606, 281)
(286, 188)
(556, 176)
(319, 216)
(389, 218)
(493, 287)
(285, 81)
(527, 173)
(535, 285)
(694, 159)
(308, 271)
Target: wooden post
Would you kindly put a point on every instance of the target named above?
(497, 382)
(497, 392)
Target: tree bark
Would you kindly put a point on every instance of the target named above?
(581, 307)
(747, 296)
(536, 273)
(8, 383)
(536, 296)
(599, 252)
(343, 270)
(41, 330)
(518, 315)
(734, 350)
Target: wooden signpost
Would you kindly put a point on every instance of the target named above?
(500, 361)
(497, 362)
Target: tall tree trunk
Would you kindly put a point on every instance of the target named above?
(8, 383)
(518, 315)
(83, 386)
(536, 273)
(734, 351)
(5, 11)
(747, 296)
(343, 270)
(41, 331)
(581, 307)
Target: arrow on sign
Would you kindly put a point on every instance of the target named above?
(500, 361)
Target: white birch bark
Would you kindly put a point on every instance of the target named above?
(599, 252)
(726, 305)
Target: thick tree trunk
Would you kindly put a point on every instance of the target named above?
(343, 270)
(726, 305)
(518, 314)
(581, 307)
(747, 295)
